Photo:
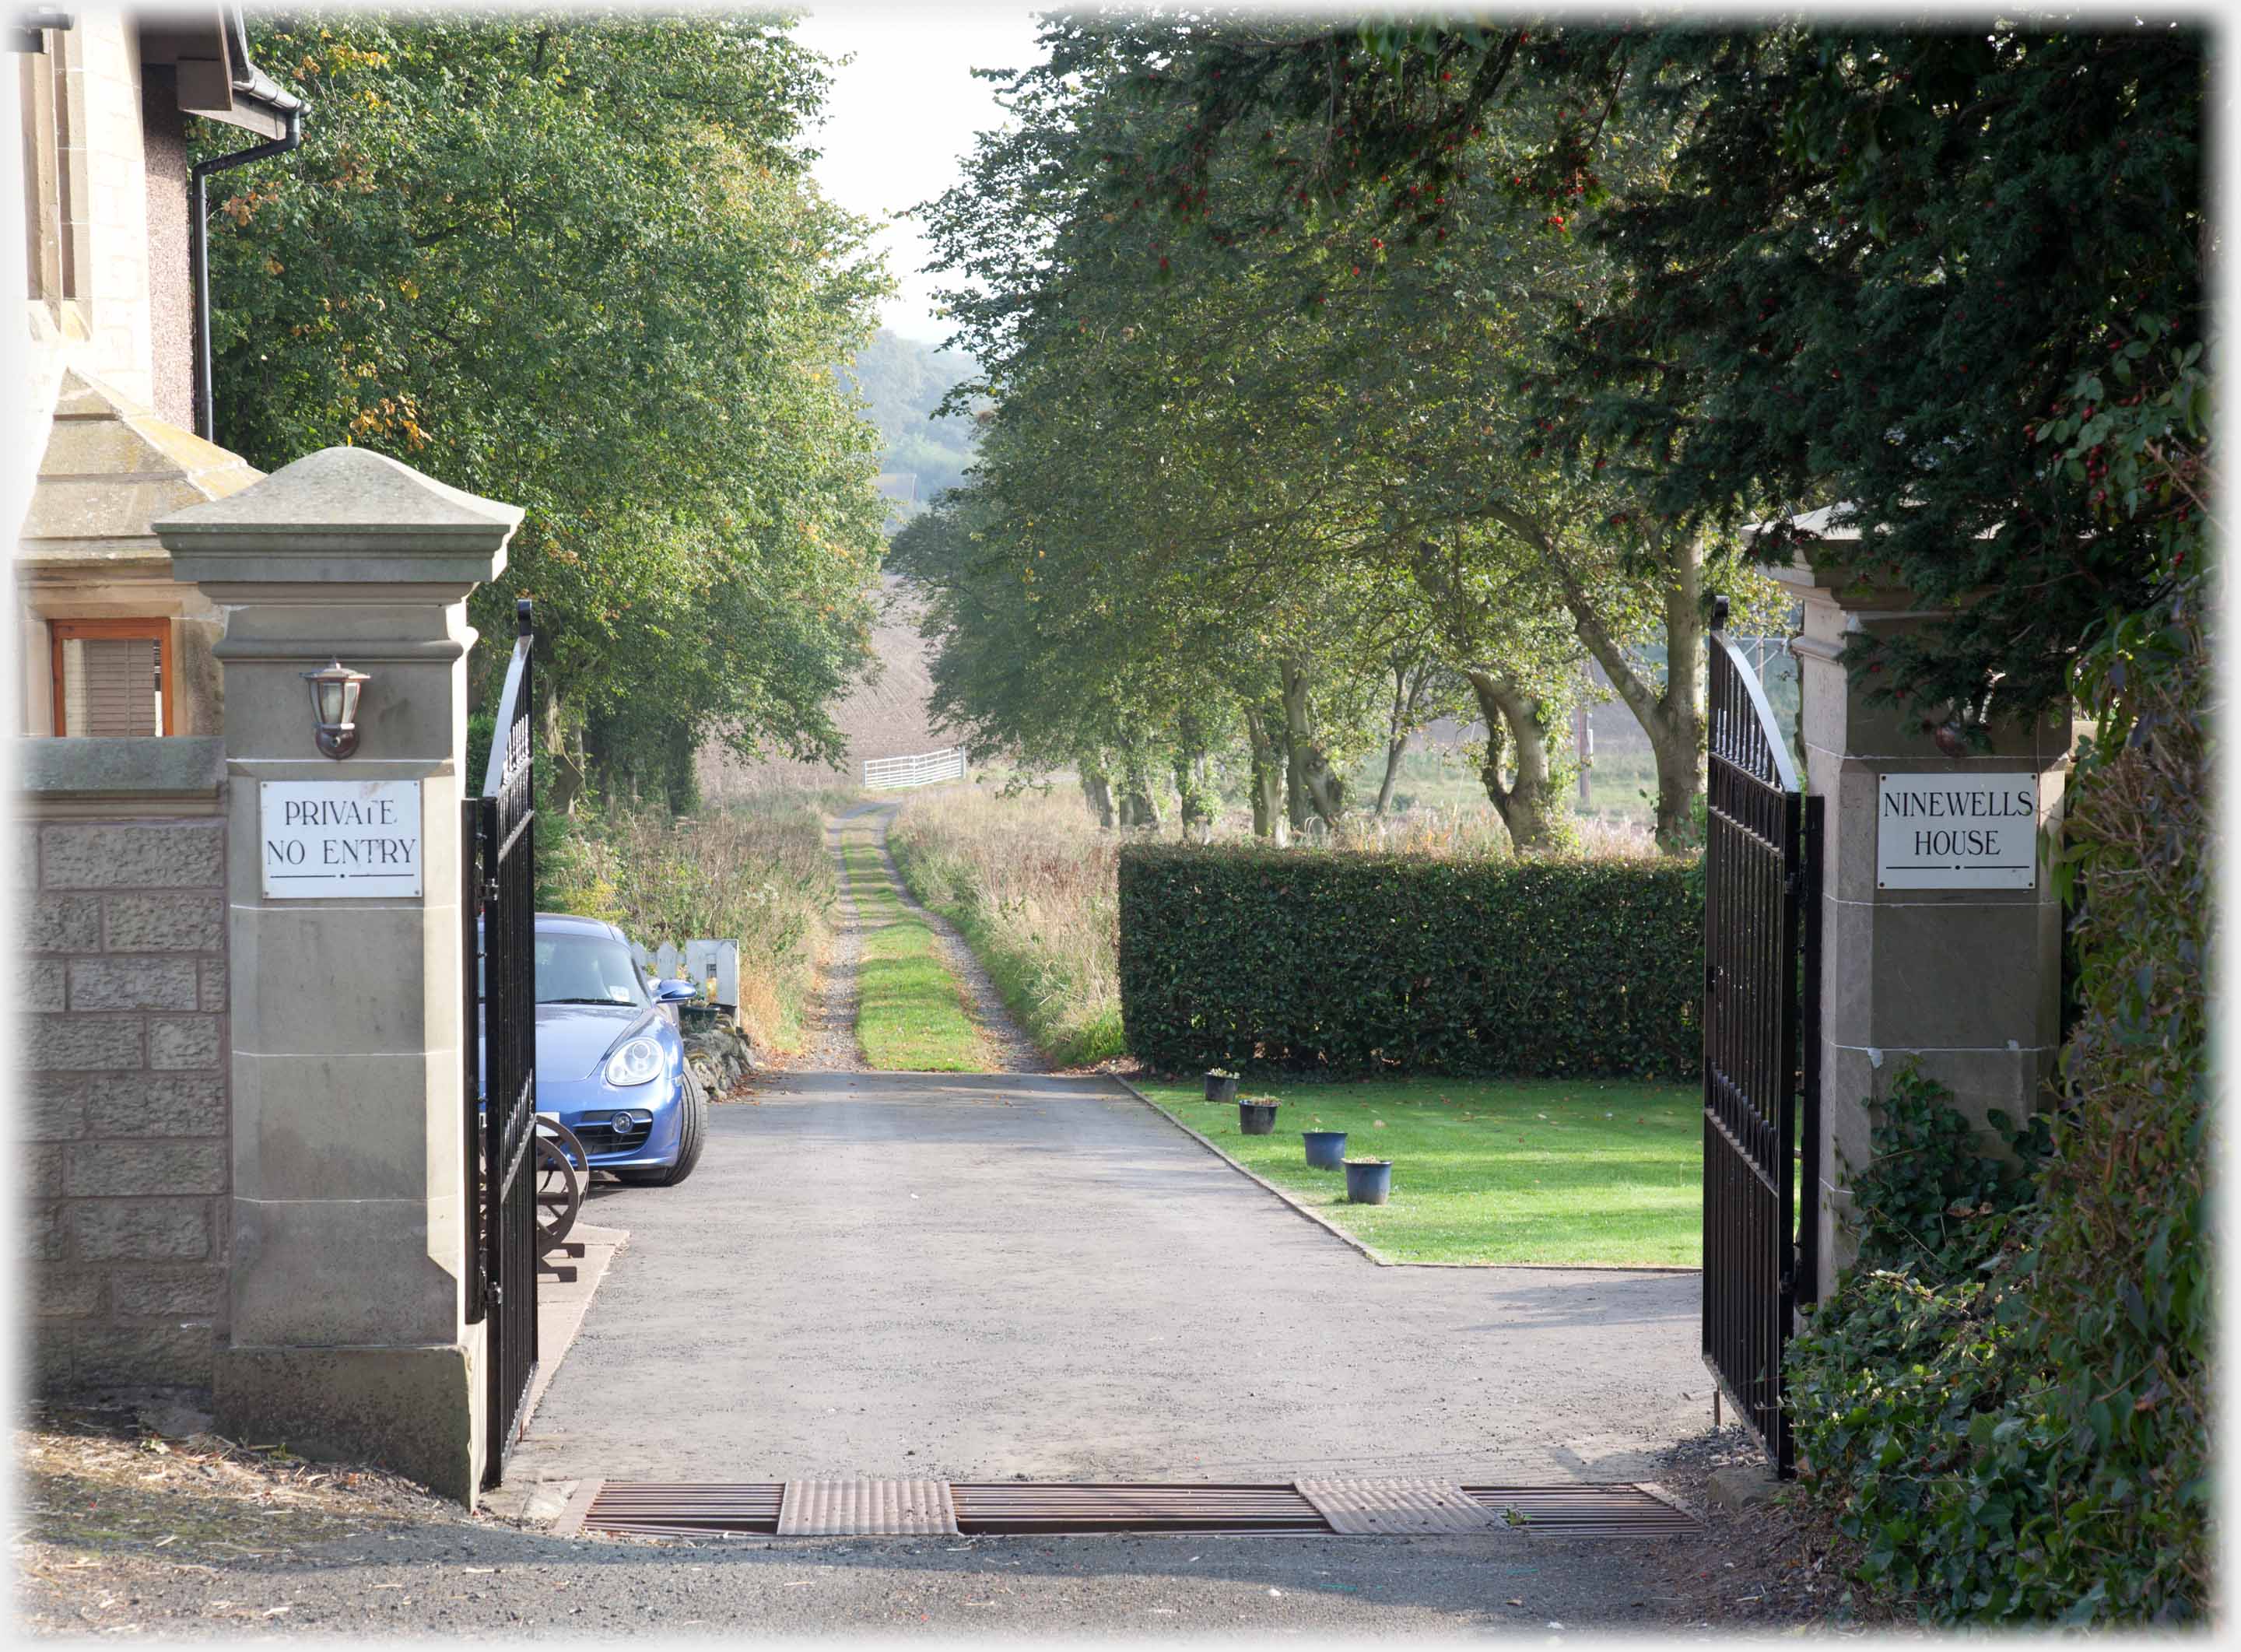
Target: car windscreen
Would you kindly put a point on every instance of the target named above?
(585, 968)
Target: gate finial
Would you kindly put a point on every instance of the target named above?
(523, 625)
(1719, 613)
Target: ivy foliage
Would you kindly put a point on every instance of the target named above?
(1349, 964)
(1907, 1376)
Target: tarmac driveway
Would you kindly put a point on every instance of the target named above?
(974, 1278)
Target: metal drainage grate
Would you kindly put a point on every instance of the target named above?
(1589, 1511)
(1020, 1507)
(655, 1509)
(866, 1508)
(648, 1509)
(1396, 1507)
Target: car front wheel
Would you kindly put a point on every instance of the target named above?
(692, 1132)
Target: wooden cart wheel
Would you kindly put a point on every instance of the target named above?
(559, 1191)
(569, 1144)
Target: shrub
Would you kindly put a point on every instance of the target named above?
(759, 873)
(1900, 1379)
(1353, 963)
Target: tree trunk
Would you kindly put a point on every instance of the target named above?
(1673, 718)
(1296, 811)
(1528, 805)
(1269, 820)
(564, 768)
(1193, 805)
(1322, 788)
(1679, 741)
(1408, 691)
(1190, 794)
(1139, 807)
(1393, 751)
(1097, 792)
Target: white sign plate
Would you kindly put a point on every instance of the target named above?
(352, 838)
(1957, 832)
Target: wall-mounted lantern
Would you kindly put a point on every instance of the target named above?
(334, 707)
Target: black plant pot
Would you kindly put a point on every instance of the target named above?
(1369, 1181)
(1256, 1118)
(1221, 1089)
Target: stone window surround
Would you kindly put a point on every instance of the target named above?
(98, 593)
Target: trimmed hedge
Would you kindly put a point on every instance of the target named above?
(1352, 963)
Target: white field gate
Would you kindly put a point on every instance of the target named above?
(888, 774)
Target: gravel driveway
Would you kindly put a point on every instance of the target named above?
(977, 1277)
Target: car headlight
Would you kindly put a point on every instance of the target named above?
(637, 1062)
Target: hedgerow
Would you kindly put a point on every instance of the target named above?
(1350, 964)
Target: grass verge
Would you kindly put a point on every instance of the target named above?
(1036, 987)
(1488, 1170)
(1028, 882)
(910, 1009)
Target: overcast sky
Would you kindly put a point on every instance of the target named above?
(903, 115)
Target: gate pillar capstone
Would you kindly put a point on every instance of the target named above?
(347, 1330)
(1965, 982)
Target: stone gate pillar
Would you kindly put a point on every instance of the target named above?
(1941, 936)
(348, 1281)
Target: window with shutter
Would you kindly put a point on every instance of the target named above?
(112, 676)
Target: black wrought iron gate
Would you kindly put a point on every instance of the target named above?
(1762, 969)
(498, 870)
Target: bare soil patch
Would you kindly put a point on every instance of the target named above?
(1772, 1566)
(108, 1503)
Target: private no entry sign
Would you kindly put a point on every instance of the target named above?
(348, 838)
(1958, 831)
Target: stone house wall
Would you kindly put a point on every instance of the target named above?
(122, 986)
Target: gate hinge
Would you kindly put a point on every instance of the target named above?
(497, 1293)
(490, 891)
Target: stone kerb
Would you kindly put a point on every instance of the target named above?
(1963, 983)
(347, 1286)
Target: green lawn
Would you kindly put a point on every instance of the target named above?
(910, 1014)
(1488, 1170)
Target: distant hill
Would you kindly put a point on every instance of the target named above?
(884, 719)
(904, 381)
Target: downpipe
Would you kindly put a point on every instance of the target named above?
(198, 255)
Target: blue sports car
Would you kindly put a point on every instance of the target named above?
(610, 1060)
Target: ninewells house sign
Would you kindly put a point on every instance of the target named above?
(1958, 831)
(347, 837)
